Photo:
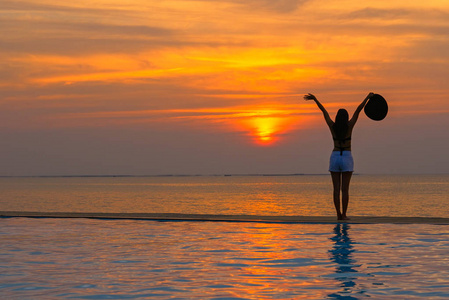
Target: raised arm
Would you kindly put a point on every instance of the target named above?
(359, 109)
(321, 107)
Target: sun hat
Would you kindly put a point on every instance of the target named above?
(377, 108)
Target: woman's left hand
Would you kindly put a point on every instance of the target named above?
(309, 96)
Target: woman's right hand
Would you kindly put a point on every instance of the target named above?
(369, 96)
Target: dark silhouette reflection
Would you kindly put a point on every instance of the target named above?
(341, 254)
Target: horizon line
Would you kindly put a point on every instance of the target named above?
(203, 175)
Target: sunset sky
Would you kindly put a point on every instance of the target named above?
(215, 87)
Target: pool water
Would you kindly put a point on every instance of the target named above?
(138, 259)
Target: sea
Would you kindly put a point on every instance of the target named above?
(303, 195)
(82, 258)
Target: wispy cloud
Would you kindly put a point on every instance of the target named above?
(179, 74)
(161, 50)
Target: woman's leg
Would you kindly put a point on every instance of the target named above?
(336, 181)
(345, 180)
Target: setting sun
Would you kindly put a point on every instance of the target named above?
(265, 129)
(265, 125)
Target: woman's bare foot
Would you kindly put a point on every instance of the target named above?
(339, 216)
(345, 218)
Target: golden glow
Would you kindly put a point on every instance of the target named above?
(262, 124)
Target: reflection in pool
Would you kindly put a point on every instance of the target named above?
(341, 255)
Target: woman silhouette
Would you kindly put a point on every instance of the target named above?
(341, 163)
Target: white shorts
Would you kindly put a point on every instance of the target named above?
(341, 162)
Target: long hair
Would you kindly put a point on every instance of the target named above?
(340, 126)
